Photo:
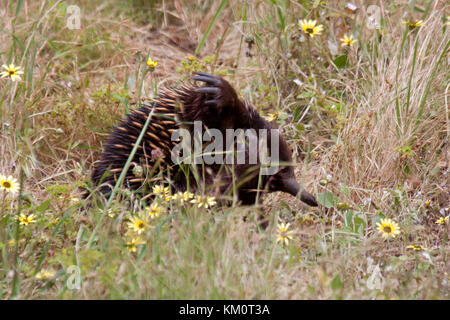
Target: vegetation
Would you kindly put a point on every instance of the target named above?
(361, 97)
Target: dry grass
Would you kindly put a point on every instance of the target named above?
(371, 140)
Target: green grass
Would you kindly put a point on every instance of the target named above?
(368, 126)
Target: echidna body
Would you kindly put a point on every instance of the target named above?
(216, 106)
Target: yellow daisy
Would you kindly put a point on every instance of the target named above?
(45, 274)
(187, 196)
(152, 64)
(137, 225)
(133, 243)
(442, 220)
(413, 24)
(177, 196)
(348, 40)
(12, 72)
(283, 234)
(271, 117)
(160, 191)
(416, 247)
(27, 219)
(205, 201)
(154, 211)
(183, 197)
(111, 213)
(309, 27)
(9, 184)
(388, 228)
(53, 222)
(343, 206)
(74, 199)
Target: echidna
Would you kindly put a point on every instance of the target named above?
(216, 106)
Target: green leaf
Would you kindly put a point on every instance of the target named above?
(359, 224)
(18, 7)
(281, 24)
(296, 115)
(336, 283)
(305, 95)
(345, 189)
(348, 218)
(377, 218)
(43, 206)
(327, 199)
(340, 61)
(19, 43)
(283, 116)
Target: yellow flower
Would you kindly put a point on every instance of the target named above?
(133, 243)
(183, 197)
(136, 224)
(74, 199)
(187, 196)
(442, 220)
(111, 213)
(160, 191)
(271, 117)
(53, 222)
(309, 27)
(416, 247)
(204, 201)
(388, 228)
(191, 58)
(177, 196)
(12, 72)
(27, 219)
(343, 206)
(283, 234)
(412, 25)
(152, 64)
(348, 40)
(154, 211)
(9, 184)
(427, 203)
(45, 274)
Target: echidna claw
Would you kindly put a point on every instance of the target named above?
(204, 74)
(208, 90)
(213, 81)
(212, 102)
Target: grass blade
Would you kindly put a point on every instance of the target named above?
(427, 89)
(222, 5)
(408, 96)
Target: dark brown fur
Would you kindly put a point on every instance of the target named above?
(217, 106)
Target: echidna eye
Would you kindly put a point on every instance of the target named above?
(273, 183)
